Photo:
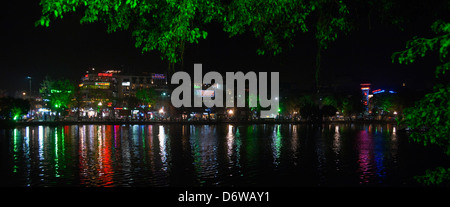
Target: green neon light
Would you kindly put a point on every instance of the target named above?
(59, 91)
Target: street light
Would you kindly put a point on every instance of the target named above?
(29, 78)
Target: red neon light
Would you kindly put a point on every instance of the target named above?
(376, 90)
(86, 76)
(365, 88)
(105, 159)
(105, 74)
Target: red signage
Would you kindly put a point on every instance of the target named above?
(376, 90)
(105, 74)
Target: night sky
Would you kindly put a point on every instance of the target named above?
(68, 49)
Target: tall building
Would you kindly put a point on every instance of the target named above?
(365, 88)
(99, 88)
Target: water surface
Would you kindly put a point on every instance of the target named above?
(213, 155)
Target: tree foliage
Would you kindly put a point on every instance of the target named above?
(431, 113)
(147, 96)
(437, 176)
(58, 92)
(386, 103)
(165, 26)
(274, 22)
(168, 25)
(429, 119)
(12, 108)
(420, 46)
(352, 105)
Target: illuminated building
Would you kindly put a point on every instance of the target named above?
(104, 92)
(365, 88)
(130, 84)
(98, 87)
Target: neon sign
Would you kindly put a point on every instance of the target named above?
(105, 74)
(378, 91)
(158, 76)
(102, 83)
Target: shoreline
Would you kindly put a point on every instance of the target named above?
(9, 124)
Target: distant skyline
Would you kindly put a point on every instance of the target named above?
(67, 49)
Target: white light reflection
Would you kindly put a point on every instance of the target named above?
(83, 159)
(26, 143)
(337, 140)
(26, 150)
(27, 134)
(41, 142)
(99, 148)
(276, 146)
(56, 153)
(294, 142)
(394, 145)
(91, 138)
(230, 141)
(162, 146)
(337, 145)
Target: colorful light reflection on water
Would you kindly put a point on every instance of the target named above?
(210, 155)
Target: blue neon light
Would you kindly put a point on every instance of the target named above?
(382, 91)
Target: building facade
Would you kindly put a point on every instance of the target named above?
(112, 94)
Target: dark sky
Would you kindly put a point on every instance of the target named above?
(68, 49)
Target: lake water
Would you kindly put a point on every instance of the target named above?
(213, 155)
